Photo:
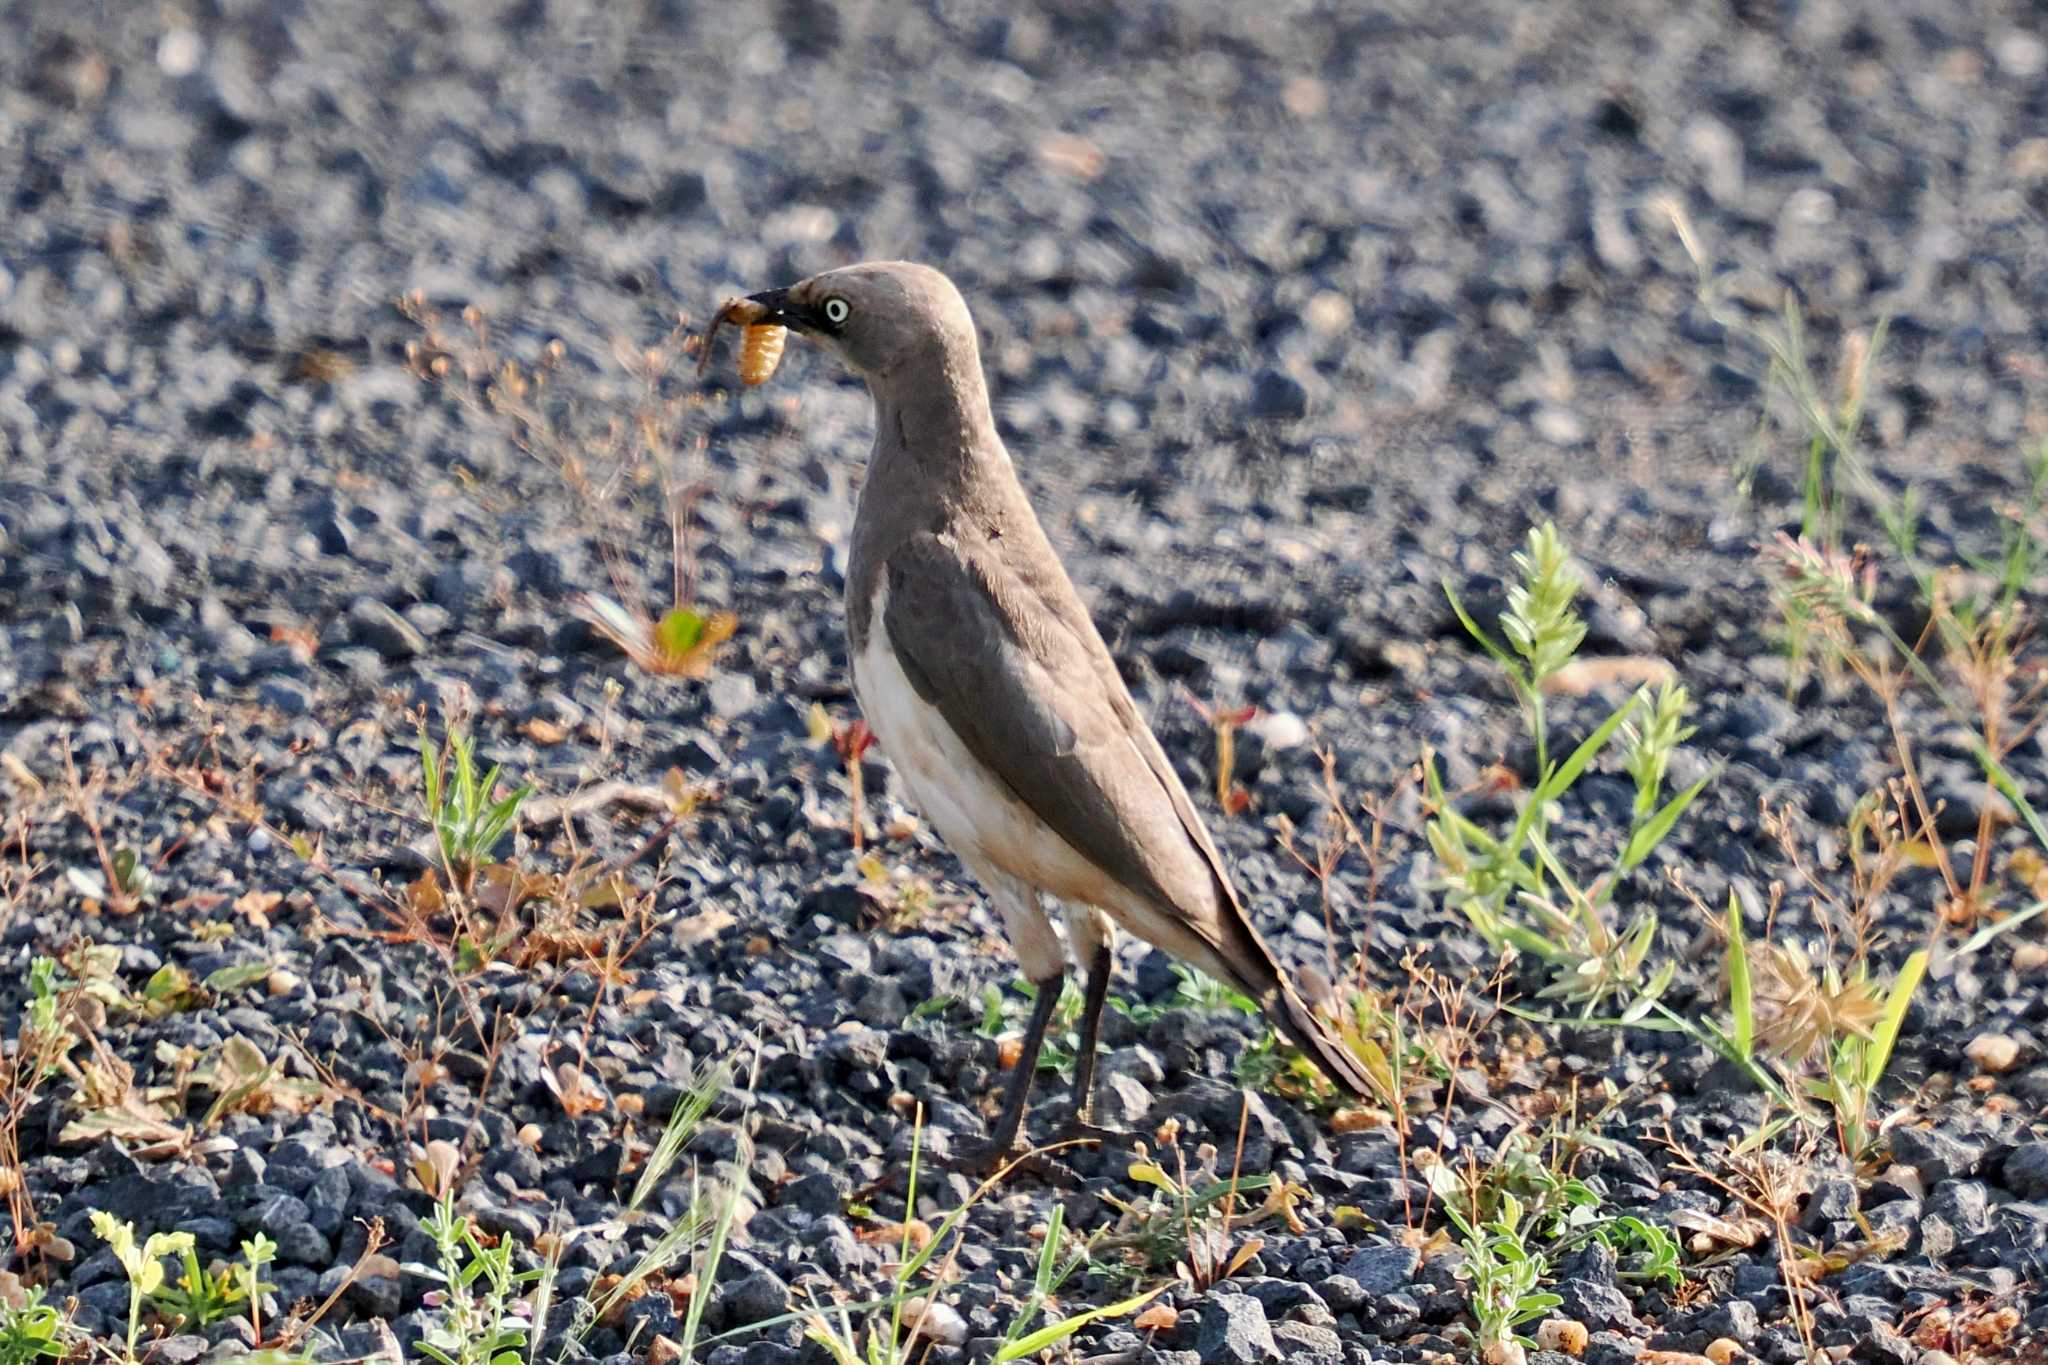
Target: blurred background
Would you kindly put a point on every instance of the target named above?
(1334, 246)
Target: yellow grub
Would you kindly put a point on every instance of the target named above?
(760, 351)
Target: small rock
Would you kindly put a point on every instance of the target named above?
(2026, 1170)
(1302, 1341)
(1562, 1334)
(1278, 396)
(1597, 1305)
(1934, 1154)
(1234, 1331)
(1382, 1270)
(1993, 1052)
(373, 624)
(936, 1320)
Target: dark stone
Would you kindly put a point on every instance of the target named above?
(2026, 1170)
(1597, 1305)
(1382, 1270)
(1278, 397)
(1934, 1154)
(752, 1298)
(1233, 1331)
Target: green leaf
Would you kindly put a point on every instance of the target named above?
(1879, 1052)
(1741, 995)
(1567, 772)
(678, 632)
(1501, 656)
(228, 979)
(1054, 1333)
(1652, 831)
(1985, 935)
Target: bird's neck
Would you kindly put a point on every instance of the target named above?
(939, 433)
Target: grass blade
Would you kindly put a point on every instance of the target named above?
(1879, 1053)
(1053, 1333)
(1741, 994)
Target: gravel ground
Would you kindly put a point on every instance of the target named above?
(1292, 312)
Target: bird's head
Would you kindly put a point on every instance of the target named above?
(882, 318)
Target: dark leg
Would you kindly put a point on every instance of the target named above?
(1002, 1141)
(1082, 1125)
(1091, 1019)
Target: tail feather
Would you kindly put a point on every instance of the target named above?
(1308, 1031)
(1259, 974)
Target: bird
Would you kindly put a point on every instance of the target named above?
(984, 679)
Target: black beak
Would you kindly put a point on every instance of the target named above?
(776, 308)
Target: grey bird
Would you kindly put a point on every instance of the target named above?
(986, 683)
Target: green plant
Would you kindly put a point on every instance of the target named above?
(201, 1296)
(1062, 1039)
(142, 1263)
(1514, 888)
(1505, 1275)
(467, 815)
(1021, 1342)
(474, 1323)
(691, 1107)
(1832, 1033)
(1192, 990)
(881, 1343)
(32, 1331)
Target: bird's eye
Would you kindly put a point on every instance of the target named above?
(836, 311)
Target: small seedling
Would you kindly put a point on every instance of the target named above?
(32, 1331)
(468, 816)
(474, 1322)
(142, 1263)
(1062, 1045)
(1505, 1275)
(201, 1296)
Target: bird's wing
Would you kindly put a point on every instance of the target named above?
(1025, 692)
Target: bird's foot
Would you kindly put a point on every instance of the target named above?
(1080, 1131)
(988, 1158)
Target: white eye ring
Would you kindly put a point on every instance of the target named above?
(836, 311)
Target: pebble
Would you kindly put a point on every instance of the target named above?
(1234, 1330)
(1993, 1052)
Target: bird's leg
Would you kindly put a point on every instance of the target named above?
(1091, 1022)
(1001, 1146)
(1082, 1124)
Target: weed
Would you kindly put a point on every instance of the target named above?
(1192, 990)
(201, 1296)
(474, 1322)
(32, 1331)
(873, 1333)
(1831, 1035)
(1505, 1275)
(1514, 888)
(1189, 1223)
(691, 1107)
(1062, 1036)
(142, 1263)
(468, 816)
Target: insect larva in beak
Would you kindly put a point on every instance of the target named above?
(760, 351)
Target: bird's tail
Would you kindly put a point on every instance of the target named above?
(1311, 1033)
(1259, 974)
